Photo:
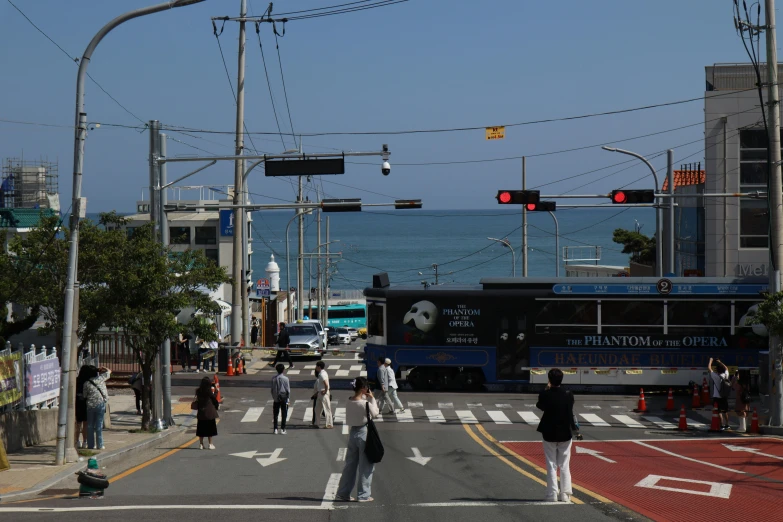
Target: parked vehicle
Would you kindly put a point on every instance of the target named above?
(333, 338)
(319, 327)
(343, 336)
(305, 339)
(353, 332)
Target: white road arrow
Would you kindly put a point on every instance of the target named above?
(594, 453)
(417, 458)
(267, 459)
(751, 450)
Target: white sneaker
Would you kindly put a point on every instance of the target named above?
(211, 446)
(102, 447)
(283, 432)
(78, 444)
(201, 446)
(198, 371)
(565, 498)
(275, 431)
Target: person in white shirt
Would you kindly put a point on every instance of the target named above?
(390, 387)
(383, 398)
(322, 395)
(355, 459)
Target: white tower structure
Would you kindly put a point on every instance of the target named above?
(273, 274)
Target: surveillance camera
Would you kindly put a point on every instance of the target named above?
(386, 168)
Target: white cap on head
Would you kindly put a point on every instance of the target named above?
(387, 361)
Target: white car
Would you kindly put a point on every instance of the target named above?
(343, 336)
(322, 332)
(353, 332)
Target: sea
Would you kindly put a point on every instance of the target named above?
(407, 243)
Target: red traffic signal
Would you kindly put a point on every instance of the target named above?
(630, 197)
(518, 197)
(542, 206)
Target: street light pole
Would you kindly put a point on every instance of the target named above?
(78, 208)
(658, 242)
(557, 244)
(288, 269)
(506, 243)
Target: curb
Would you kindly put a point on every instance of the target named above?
(78, 466)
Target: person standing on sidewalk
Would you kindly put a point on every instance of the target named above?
(380, 377)
(355, 459)
(86, 373)
(390, 385)
(741, 402)
(254, 333)
(281, 393)
(322, 395)
(207, 413)
(97, 396)
(283, 340)
(720, 387)
(556, 426)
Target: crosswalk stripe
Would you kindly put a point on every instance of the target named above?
(628, 421)
(466, 417)
(294, 372)
(590, 407)
(405, 416)
(415, 405)
(339, 416)
(379, 418)
(356, 367)
(474, 405)
(341, 454)
(503, 406)
(696, 424)
(345, 429)
(446, 405)
(334, 366)
(309, 367)
(499, 417)
(661, 423)
(594, 419)
(308, 416)
(342, 373)
(252, 414)
(435, 415)
(529, 417)
(290, 413)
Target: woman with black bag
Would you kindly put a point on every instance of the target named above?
(207, 413)
(360, 410)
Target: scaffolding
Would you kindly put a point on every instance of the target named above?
(29, 184)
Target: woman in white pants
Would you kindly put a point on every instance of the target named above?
(355, 459)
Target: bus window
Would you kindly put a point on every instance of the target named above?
(513, 346)
(374, 319)
(562, 317)
(625, 317)
(699, 317)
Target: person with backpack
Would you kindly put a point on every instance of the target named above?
(97, 397)
(281, 393)
(741, 402)
(721, 388)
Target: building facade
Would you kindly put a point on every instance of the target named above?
(736, 233)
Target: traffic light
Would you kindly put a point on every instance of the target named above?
(407, 203)
(630, 197)
(518, 197)
(542, 206)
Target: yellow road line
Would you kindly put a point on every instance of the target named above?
(153, 461)
(508, 462)
(581, 489)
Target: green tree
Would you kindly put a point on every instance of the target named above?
(770, 314)
(641, 247)
(13, 290)
(147, 290)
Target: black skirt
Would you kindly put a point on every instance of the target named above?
(81, 410)
(206, 428)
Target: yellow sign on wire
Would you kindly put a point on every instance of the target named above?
(495, 133)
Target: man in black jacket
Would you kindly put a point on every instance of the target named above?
(556, 425)
(283, 340)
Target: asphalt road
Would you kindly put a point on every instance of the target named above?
(468, 475)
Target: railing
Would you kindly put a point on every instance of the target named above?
(34, 355)
(113, 353)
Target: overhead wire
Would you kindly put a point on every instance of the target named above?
(269, 85)
(285, 91)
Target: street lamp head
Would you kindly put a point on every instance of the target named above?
(610, 149)
(183, 3)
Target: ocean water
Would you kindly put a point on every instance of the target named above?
(405, 243)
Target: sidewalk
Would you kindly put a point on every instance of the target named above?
(33, 470)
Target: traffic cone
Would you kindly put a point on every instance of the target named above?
(230, 371)
(696, 402)
(715, 426)
(754, 423)
(642, 407)
(670, 401)
(705, 394)
(240, 366)
(683, 420)
(216, 383)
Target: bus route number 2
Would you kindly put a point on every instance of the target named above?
(664, 286)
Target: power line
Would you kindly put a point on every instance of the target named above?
(269, 85)
(285, 92)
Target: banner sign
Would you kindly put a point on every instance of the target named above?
(10, 375)
(570, 357)
(42, 381)
(653, 289)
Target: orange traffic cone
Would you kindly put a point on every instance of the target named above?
(696, 402)
(230, 371)
(683, 420)
(670, 401)
(754, 423)
(216, 383)
(240, 366)
(642, 407)
(705, 394)
(715, 426)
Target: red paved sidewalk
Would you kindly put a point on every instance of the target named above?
(681, 480)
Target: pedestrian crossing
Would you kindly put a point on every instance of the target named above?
(472, 413)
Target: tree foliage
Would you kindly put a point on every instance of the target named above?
(770, 314)
(641, 247)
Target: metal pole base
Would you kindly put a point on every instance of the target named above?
(159, 424)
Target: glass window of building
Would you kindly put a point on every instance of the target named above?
(754, 217)
(179, 235)
(206, 235)
(212, 253)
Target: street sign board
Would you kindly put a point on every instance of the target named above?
(263, 288)
(304, 167)
(226, 222)
(495, 133)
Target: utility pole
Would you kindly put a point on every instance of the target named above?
(318, 269)
(670, 174)
(165, 358)
(155, 154)
(300, 257)
(71, 454)
(435, 267)
(239, 170)
(326, 277)
(524, 220)
(776, 207)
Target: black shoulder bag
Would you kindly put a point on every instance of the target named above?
(373, 448)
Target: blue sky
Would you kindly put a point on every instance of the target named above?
(416, 65)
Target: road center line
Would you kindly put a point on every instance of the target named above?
(640, 443)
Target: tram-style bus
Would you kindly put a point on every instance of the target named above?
(599, 331)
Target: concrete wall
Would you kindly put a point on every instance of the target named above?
(27, 428)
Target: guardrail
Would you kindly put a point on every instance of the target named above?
(113, 353)
(27, 382)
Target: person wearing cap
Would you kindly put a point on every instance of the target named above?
(380, 377)
(390, 386)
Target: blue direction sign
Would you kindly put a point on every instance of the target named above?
(655, 289)
(226, 222)
(263, 288)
